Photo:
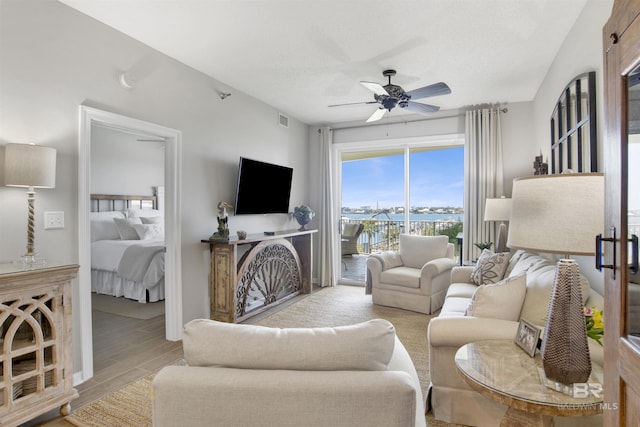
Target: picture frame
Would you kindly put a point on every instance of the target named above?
(527, 337)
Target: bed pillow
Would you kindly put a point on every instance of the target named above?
(490, 267)
(149, 231)
(104, 230)
(105, 215)
(502, 300)
(365, 346)
(152, 219)
(125, 228)
(137, 213)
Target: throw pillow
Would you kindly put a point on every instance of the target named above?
(490, 267)
(125, 228)
(365, 346)
(502, 300)
(149, 231)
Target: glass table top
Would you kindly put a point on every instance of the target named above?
(505, 369)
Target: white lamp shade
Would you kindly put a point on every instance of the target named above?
(497, 209)
(559, 214)
(29, 166)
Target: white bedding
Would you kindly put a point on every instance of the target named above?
(105, 260)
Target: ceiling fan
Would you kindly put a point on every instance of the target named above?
(390, 96)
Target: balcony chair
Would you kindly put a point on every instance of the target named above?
(350, 234)
(416, 277)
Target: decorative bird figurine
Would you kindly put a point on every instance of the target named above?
(223, 221)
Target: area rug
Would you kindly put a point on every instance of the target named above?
(341, 305)
(129, 406)
(126, 307)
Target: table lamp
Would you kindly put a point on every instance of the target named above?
(31, 166)
(499, 210)
(560, 214)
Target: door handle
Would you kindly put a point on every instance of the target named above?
(633, 267)
(599, 240)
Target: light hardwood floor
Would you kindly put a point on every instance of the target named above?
(125, 349)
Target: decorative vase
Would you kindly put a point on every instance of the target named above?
(303, 221)
(565, 351)
(303, 214)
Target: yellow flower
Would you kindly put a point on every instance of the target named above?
(598, 321)
(594, 323)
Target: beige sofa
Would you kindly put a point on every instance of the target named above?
(415, 277)
(250, 376)
(450, 398)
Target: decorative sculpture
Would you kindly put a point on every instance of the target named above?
(539, 167)
(223, 222)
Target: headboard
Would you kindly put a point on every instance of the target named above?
(118, 202)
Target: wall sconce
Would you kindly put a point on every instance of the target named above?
(31, 166)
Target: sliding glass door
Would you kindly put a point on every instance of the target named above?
(394, 189)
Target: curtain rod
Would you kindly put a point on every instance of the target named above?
(501, 110)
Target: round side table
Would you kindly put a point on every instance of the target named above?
(501, 371)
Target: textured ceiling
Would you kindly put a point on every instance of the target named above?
(302, 55)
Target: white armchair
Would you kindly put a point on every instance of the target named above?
(415, 277)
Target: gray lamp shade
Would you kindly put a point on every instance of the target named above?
(29, 166)
(558, 214)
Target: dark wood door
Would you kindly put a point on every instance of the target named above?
(621, 44)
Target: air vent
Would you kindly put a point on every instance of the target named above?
(283, 120)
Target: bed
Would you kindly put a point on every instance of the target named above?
(127, 247)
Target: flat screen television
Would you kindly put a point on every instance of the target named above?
(263, 188)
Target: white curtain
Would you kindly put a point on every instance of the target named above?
(326, 269)
(484, 179)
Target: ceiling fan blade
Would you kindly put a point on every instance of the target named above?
(375, 88)
(418, 107)
(353, 103)
(377, 115)
(431, 90)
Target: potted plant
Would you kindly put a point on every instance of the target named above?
(484, 245)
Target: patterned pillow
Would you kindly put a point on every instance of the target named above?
(490, 267)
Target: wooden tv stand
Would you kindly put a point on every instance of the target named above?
(254, 274)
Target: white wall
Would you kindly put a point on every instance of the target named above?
(581, 52)
(121, 164)
(53, 59)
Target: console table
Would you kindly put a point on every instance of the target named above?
(251, 275)
(500, 370)
(35, 341)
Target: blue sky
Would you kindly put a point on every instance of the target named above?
(437, 179)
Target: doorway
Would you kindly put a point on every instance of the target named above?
(90, 117)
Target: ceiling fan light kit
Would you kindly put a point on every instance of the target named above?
(390, 96)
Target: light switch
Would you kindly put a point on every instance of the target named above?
(53, 220)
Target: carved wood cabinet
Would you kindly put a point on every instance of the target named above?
(251, 275)
(35, 342)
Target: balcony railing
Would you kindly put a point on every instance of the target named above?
(383, 234)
